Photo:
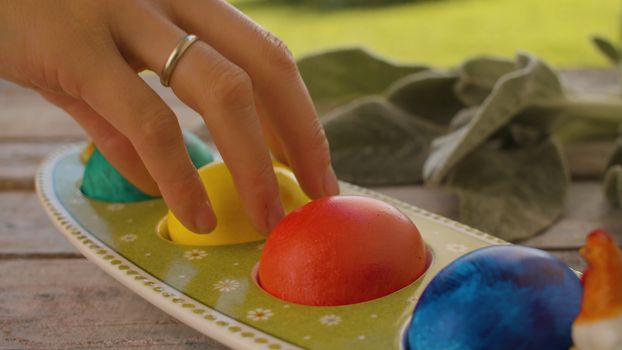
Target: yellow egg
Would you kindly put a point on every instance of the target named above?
(234, 225)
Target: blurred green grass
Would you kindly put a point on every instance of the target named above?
(444, 32)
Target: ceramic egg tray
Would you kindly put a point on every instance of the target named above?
(213, 290)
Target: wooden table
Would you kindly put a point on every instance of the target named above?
(51, 297)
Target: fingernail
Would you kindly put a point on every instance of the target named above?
(275, 214)
(205, 220)
(331, 187)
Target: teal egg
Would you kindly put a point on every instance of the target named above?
(101, 181)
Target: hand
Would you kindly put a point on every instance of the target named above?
(83, 56)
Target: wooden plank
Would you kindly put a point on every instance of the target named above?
(586, 209)
(588, 160)
(598, 81)
(572, 258)
(19, 162)
(71, 304)
(25, 229)
(435, 200)
(24, 115)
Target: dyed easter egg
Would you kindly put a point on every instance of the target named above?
(233, 224)
(341, 250)
(103, 182)
(499, 297)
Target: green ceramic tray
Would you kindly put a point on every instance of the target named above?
(212, 289)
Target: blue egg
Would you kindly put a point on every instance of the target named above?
(103, 182)
(498, 297)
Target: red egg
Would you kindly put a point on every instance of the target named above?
(341, 250)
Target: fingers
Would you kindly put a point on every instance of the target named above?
(223, 94)
(117, 149)
(289, 110)
(116, 93)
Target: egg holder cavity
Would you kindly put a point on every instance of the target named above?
(212, 288)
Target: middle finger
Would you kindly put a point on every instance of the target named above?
(223, 94)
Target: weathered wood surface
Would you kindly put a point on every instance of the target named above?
(52, 298)
(24, 115)
(72, 304)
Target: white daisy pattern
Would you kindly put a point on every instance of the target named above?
(330, 320)
(115, 207)
(456, 247)
(195, 254)
(225, 286)
(130, 237)
(259, 314)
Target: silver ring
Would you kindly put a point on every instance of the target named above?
(173, 58)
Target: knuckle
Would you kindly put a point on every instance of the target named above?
(232, 87)
(183, 182)
(157, 128)
(278, 55)
(259, 181)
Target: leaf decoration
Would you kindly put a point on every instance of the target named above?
(428, 94)
(513, 194)
(463, 117)
(375, 143)
(608, 49)
(337, 77)
(612, 186)
(478, 76)
(575, 118)
(532, 82)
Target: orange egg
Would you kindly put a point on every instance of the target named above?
(341, 250)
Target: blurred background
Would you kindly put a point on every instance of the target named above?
(443, 32)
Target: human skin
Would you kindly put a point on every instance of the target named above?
(83, 56)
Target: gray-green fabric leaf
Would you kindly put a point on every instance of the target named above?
(612, 186)
(428, 94)
(608, 49)
(575, 118)
(477, 77)
(338, 77)
(512, 194)
(375, 143)
(532, 82)
(463, 117)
